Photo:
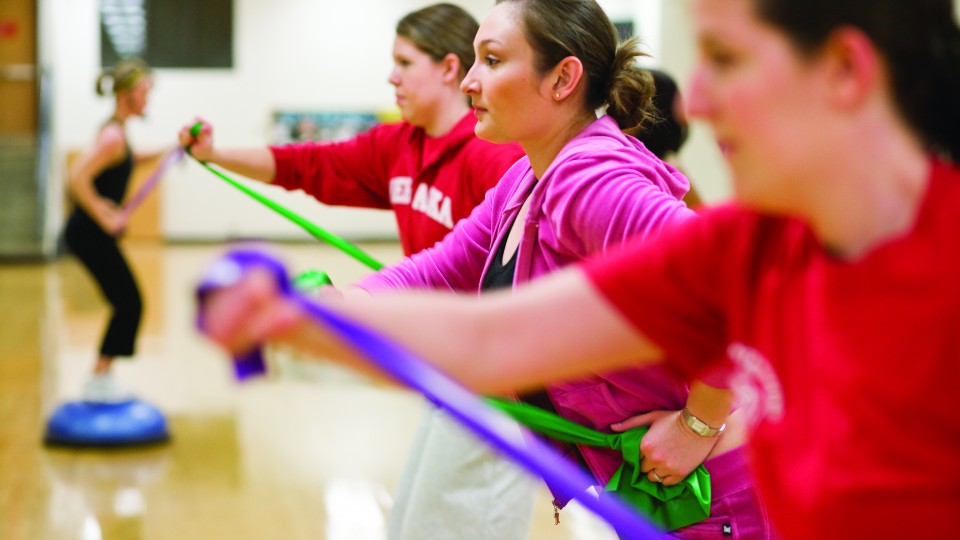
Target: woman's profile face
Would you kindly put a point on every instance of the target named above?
(767, 105)
(137, 96)
(418, 82)
(510, 99)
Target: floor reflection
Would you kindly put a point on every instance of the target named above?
(355, 509)
(102, 496)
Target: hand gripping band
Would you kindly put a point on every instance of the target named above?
(314, 230)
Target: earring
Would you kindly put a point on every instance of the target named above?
(557, 95)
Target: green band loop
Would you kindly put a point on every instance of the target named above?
(314, 230)
(671, 507)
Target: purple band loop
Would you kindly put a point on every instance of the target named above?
(133, 202)
(496, 428)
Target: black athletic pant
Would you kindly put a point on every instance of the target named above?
(99, 252)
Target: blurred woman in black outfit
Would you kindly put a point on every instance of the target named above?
(97, 183)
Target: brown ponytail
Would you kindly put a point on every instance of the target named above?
(630, 97)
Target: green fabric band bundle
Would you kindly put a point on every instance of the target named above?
(671, 507)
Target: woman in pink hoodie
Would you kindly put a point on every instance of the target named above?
(544, 68)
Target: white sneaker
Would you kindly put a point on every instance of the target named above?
(103, 388)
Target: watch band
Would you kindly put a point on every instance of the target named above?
(699, 426)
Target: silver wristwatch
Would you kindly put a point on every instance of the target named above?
(699, 426)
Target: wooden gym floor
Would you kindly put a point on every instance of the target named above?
(314, 452)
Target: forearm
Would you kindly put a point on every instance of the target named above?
(254, 163)
(90, 201)
(709, 404)
(557, 328)
(714, 407)
(141, 157)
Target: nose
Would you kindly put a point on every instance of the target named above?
(394, 77)
(469, 84)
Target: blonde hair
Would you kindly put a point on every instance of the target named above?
(123, 76)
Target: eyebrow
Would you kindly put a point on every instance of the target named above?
(487, 42)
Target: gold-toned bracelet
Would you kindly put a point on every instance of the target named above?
(698, 426)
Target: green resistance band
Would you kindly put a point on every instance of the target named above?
(311, 280)
(314, 230)
(671, 507)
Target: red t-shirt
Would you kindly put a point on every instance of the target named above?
(430, 183)
(850, 367)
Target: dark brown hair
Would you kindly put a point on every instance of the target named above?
(557, 29)
(439, 30)
(665, 135)
(919, 41)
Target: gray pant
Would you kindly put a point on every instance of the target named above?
(454, 487)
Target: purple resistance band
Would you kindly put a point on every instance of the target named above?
(567, 480)
(169, 159)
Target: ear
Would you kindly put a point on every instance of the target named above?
(450, 66)
(563, 79)
(853, 66)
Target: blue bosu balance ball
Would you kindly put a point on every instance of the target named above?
(86, 423)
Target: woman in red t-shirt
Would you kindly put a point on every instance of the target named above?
(430, 169)
(831, 282)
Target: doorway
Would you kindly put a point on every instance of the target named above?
(21, 189)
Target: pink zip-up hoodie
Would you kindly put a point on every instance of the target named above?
(602, 189)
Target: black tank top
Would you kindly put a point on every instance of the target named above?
(500, 276)
(112, 182)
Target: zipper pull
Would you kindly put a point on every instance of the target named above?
(556, 513)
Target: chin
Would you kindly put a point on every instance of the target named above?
(759, 199)
(745, 190)
(490, 135)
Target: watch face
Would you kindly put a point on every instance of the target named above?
(698, 426)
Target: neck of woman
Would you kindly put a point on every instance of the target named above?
(875, 196)
(449, 114)
(544, 149)
(121, 114)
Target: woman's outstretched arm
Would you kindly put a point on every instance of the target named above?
(558, 327)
